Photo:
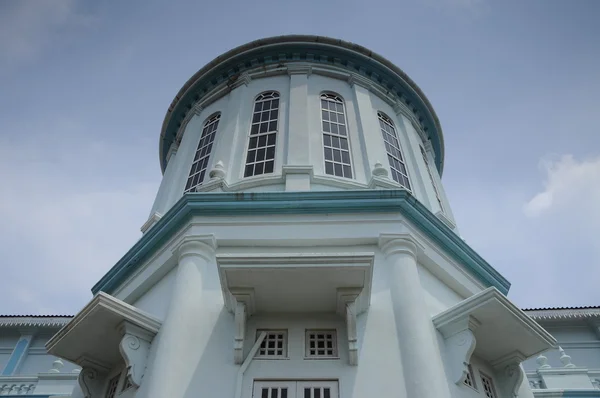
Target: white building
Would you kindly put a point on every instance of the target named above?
(301, 245)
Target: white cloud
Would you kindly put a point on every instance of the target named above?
(66, 216)
(28, 27)
(569, 184)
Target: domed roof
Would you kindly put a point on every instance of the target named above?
(227, 67)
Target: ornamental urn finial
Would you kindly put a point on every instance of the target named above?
(217, 172)
(565, 359)
(543, 362)
(379, 170)
(56, 366)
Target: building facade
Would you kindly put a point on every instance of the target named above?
(301, 245)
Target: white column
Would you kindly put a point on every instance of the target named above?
(176, 354)
(422, 364)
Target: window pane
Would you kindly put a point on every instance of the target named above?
(392, 146)
(203, 151)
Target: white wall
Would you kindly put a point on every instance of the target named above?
(231, 141)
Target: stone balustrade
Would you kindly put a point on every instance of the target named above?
(17, 385)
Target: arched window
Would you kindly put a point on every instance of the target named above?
(200, 163)
(335, 136)
(392, 146)
(263, 135)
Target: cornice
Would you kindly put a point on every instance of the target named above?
(308, 202)
(34, 322)
(560, 314)
(309, 50)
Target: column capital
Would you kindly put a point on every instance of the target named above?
(391, 244)
(196, 245)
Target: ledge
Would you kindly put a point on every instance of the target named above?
(104, 334)
(497, 331)
(308, 202)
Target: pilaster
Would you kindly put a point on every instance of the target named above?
(298, 141)
(371, 141)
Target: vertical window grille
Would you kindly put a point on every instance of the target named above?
(200, 163)
(435, 189)
(274, 392)
(274, 345)
(470, 380)
(317, 392)
(321, 343)
(392, 146)
(335, 136)
(263, 135)
(111, 391)
(488, 386)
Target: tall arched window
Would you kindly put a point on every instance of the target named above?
(263, 135)
(394, 152)
(200, 163)
(335, 136)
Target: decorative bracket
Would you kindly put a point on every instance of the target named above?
(244, 307)
(134, 348)
(91, 377)
(89, 382)
(460, 343)
(346, 306)
(510, 376)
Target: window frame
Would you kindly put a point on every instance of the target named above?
(208, 122)
(285, 354)
(350, 163)
(483, 376)
(308, 356)
(430, 173)
(471, 375)
(249, 135)
(295, 388)
(382, 117)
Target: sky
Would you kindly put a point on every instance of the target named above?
(84, 87)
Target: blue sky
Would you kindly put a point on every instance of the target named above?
(84, 87)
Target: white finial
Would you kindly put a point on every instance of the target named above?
(565, 359)
(218, 171)
(542, 361)
(379, 170)
(57, 366)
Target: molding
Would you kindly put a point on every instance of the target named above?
(151, 222)
(297, 169)
(196, 245)
(346, 306)
(308, 202)
(442, 216)
(240, 317)
(134, 348)
(391, 244)
(172, 151)
(34, 322)
(559, 314)
(319, 52)
(106, 302)
(299, 68)
(242, 79)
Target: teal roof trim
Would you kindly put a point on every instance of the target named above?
(294, 48)
(272, 203)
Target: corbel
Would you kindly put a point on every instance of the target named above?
(134, 348)
(459, 346)
(346, 306)
(299, 68)
(91, 377)
(244, 307)
(509, 373)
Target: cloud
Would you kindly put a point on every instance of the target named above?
(27, 28)
(67, 216)
(569, 184)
